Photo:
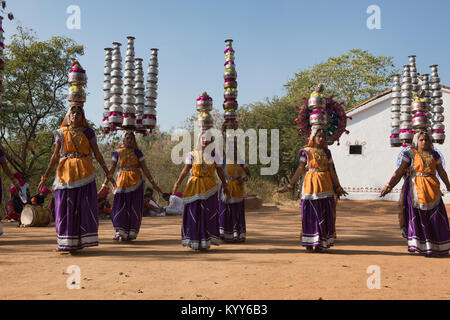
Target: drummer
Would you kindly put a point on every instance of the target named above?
(14, 206)
(39, 199)
(24, 192)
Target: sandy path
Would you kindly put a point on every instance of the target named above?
(271, 265)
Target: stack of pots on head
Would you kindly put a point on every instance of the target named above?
(115, 102)
(230, 104)
(77, 81)
(204, 107)
(139, 93)
(2, 61)
(395, 112)
(149, 117)
(107, 88)
(438, 127)
(129, 113)
(405, 132)
(419, 108)
(316, 104)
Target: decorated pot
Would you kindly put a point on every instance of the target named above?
(316, 102)
(230, 94)
(230, 115)
(230, 105)
(79, 96)
(405, 117)
(438, 137)
(418, 106)
(419, 121)
(78, 77)
(406, 136)
(318, 119)
(438, 126)
(128, 121)
(230, 84)
(230, 74)
(115, 118)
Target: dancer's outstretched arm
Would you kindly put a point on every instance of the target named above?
(53, 161)
(398, 174)
(149, 176)
(298, 173)
(221, 175)
(338, 189)
(443, 175)
(105, 182)
(183, 175)
(98, 155)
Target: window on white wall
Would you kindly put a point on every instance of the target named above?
(355, 149)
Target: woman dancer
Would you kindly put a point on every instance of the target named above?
(319, 187)
(128, 202)
(76, 213)
(232, 208)
(201, 212)
(428, 230)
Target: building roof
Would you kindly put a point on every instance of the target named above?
(382, 94)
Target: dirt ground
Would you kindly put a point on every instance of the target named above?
(270, 265)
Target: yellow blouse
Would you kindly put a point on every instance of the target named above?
(129, 175)
(317, 183)
(75, 168)
(202, 183)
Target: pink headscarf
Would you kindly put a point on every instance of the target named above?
(18, 176)
(46, 190)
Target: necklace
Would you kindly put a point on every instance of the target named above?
(426, 158)
(76, 136)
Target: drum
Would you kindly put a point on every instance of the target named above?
(35, 216)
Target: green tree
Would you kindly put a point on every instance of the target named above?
(34, 101)
(352, 78)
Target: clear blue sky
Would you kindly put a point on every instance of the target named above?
(273, 40)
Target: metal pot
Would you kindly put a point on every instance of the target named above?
(230, 105)
(396, 88)
(406, 86)
(438, 109)
(230, 94)
(404, 109)
(438, 126)
(116, 81)
(152, 70)
(395, 123)
(149, 102)
(152, 78)
(151, 86)
(128, 82)
(116, 108)
(437, 102)
(418, 106)
(116, 65)
(436, 94)
(405, 117)
(395, 108)
(107, 95)
(128, 91)
(438, 137)
(151, 94)
(116, 74)
(78, 96)
(396, 101)
(405, 125)
(129, 100)
(140, 100)
(106, 105)
(406, 101)
(419, 122)
(396, 94)
(106, 86)
(406, 94)
(230, 75)
(230, 84)
(107, 70)
(318, 119)
(316, 102)
(129, 74)
(395, 142)
(438, 117)
(116, 99)
(406, 136)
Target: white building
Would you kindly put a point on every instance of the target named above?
(365, 161)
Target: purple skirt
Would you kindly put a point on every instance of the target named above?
(232, 221)
(318, 223)
(76, 217)
(200, 225)
(127, 213)
(428, 231)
